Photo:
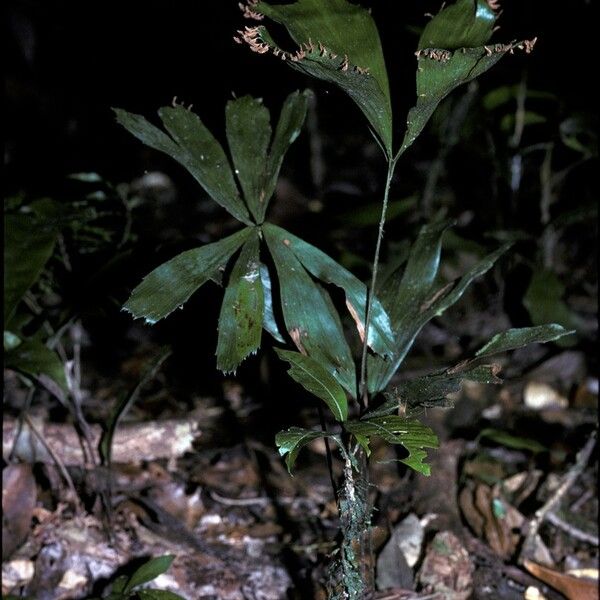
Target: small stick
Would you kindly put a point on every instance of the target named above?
(581, 501)
(574, 532)
(567, 481)
(262, 500)
(57, 460)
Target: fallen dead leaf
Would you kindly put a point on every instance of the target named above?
(173, 498)
(520, 486)
(490, 516)
(574, 588)
(19, 496)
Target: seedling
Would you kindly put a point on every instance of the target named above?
(339, 43)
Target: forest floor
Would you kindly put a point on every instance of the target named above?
(508, 513)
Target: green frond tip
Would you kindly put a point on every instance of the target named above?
(171, 284)
(256, 157)
(242, 311)
(453, 50)
(337, 42)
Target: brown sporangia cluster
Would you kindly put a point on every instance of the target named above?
(434, 54)
(443, 56)
(248, 10)
(252, 37)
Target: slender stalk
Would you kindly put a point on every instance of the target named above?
(328, 453)
(363, 391)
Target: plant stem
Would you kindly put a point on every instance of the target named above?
(356, 557)
(363, 390)
(352, 573)
(328, 453)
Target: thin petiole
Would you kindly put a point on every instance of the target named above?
(363, 390)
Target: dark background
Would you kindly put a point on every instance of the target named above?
(68, 62)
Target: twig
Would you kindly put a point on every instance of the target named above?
(588, 495)
(74, 380)
(262, 500)
(574, 532)
(57, 460)
(568, 480)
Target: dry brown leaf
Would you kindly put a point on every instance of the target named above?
(470, 513)
(573, 588)
(520, 486)
(19, 495)
(498, 531)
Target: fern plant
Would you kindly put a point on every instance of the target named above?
(337, 42)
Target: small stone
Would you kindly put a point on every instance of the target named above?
(538, 396)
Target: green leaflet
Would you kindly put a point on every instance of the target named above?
(194, 147)
(431, 390)
(517, 338)
(269, 321)
(464, 24)
(318, 381)
(327, 270)
(451, 52)
(116, 588)
(288, 129)
(205, 158)
(415, 300)
(291, 441)
(149, 571)
(310, 317)
(27, 248)
(241, 318)
(338, 43)
(248, 134)
(170, 285)
(410, 433)
(504, 438)
(36, 360)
